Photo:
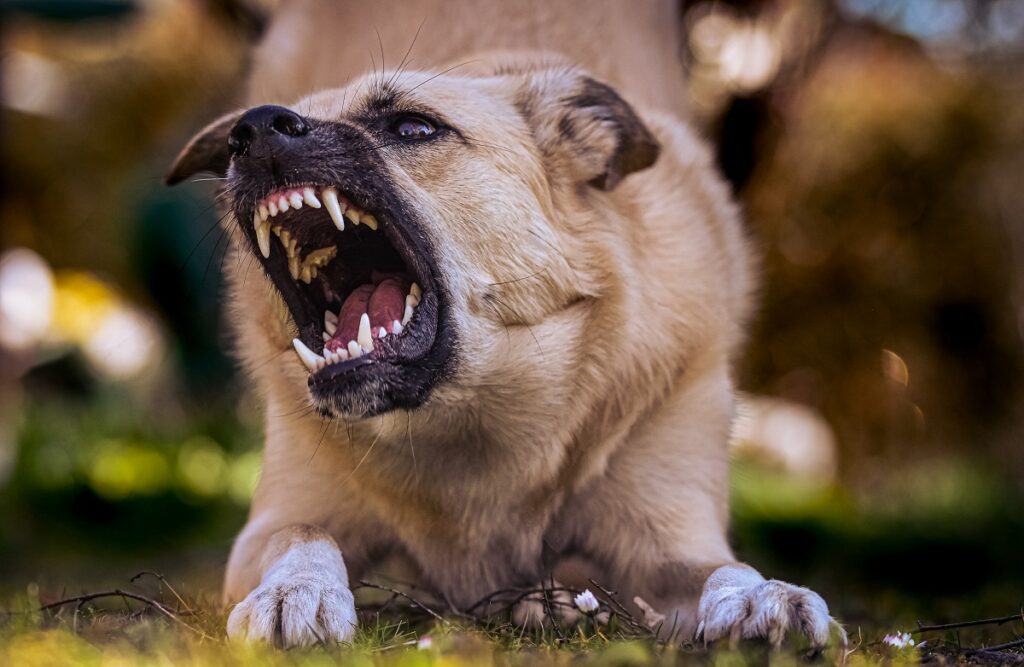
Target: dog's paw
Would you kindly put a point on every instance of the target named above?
(740, 604)
(297, 604)
(534, 611)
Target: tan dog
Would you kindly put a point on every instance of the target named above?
(513, 298)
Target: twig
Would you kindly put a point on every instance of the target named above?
(966, 624)
(164, 581)
(1001, 647)
(413, 601)
(624, 613)
(549, 610)
(82, 599)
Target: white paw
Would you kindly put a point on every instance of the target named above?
(739, 604)
(303, 599)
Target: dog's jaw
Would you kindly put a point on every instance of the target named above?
(358, 280)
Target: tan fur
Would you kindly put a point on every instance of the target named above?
(592, 400)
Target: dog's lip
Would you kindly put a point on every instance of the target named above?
(401, 240)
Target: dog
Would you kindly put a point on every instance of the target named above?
(494, 304)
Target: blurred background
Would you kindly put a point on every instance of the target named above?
(876, 146)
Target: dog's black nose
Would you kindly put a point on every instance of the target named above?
(273, 125)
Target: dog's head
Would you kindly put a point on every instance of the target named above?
(409, 220)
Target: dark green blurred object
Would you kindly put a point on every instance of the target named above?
(69, 11)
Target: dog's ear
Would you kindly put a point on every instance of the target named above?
(584, 126)
(207, 151)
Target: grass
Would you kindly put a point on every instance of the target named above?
(113, 630)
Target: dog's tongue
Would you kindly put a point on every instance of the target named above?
(383, 301)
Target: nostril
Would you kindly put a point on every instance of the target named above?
(240, 138)
(290, 123)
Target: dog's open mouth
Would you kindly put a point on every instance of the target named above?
(355, 284)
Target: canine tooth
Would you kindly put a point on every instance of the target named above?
(306, 275)
(354, 351)
(309, 196)
(353, 215)
(273, 209)
(282, 203)
(308, 356)
(369, 221)
(295, 200)
(382, 332)
(407, 315)
(410, 300)
(415, 290)
(264, 212)
(330, 322)
(365, 336)
(396, 327)
(330, 196)
(263, 238)
(293, 266)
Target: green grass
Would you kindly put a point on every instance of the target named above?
(116, 631)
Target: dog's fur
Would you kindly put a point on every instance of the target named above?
(598, 280)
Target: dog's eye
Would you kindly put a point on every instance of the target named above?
(412, 127)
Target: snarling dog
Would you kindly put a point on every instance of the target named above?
(492, 322)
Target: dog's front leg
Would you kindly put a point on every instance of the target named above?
(303, 596)
(658, 519)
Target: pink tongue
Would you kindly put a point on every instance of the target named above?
(383, 302)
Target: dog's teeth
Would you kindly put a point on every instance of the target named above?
(415, 290)
(365, 336)
(264, 212)
(272, 207)
(369, 221)
(411, 300)
(263, 238)
(330, 322)
(407, 315)
(326, 336)
(308, 356)
(293, 266)
(306, 275)
(282, 203)
(295, 199)
(381, 332)
(396, 327)
(330, 196)
(309, 196)
(353, 214)
(354, 351)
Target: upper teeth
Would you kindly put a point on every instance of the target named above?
(338, 207)
(363, 343)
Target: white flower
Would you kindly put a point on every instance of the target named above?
(586, 602)
(425, 643)
(899, 640)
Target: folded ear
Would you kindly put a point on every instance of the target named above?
(207, 151)
(584, 126)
